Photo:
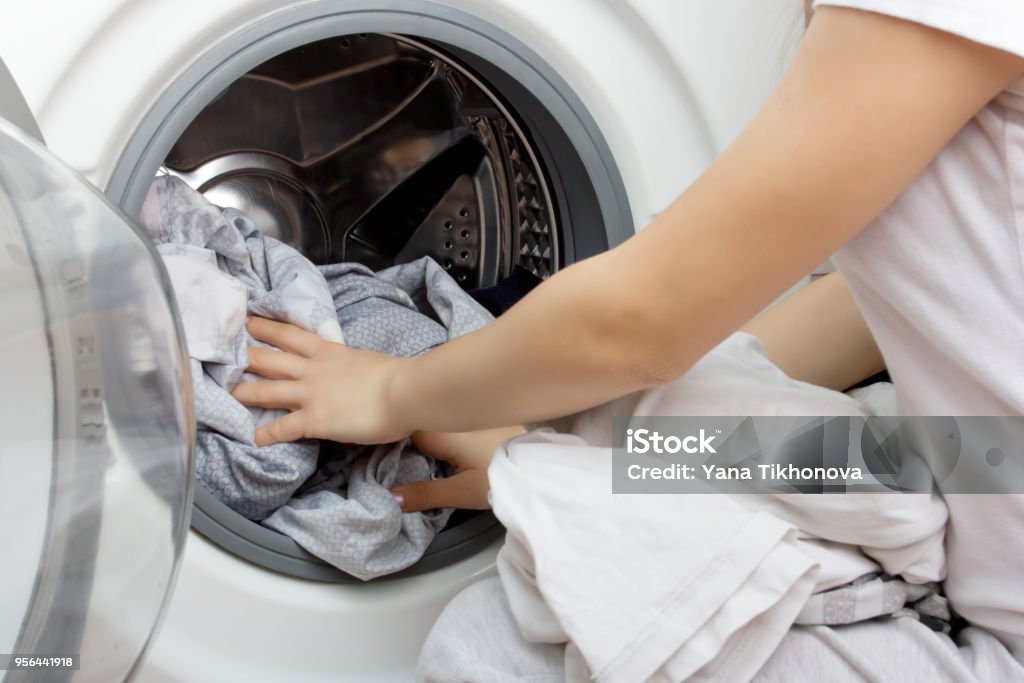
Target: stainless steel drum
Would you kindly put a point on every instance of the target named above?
(378, 149)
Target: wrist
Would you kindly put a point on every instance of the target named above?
(399, 394)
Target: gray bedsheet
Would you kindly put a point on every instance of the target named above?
(222, 268)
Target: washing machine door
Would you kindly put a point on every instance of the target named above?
(95, 424)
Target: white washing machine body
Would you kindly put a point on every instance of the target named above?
(664, 84)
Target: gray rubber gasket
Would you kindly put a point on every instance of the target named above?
(589, 194)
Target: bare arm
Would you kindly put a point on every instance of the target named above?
(866, 104)
(818, 335)
(815, 334)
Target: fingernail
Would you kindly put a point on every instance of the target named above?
(399, 498)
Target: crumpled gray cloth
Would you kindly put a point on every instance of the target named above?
(337, 507)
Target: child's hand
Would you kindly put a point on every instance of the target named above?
(470, 453)
(333, 391)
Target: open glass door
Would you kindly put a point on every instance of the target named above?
(96, 424)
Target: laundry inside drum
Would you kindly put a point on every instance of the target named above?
(377, 149)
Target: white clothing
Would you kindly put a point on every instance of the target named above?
(665, 587)
(476, 639)
(939, 278)
(212, 305)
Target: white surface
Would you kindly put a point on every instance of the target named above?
(231, 621)
(26, 424)
(668, 82)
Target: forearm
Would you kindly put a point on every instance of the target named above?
(577, 340)
(626, 320)
(616, 323)
(818, 335)
(829, 151)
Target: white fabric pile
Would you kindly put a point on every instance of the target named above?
(695, 587)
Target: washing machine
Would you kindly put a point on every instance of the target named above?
(488, 134)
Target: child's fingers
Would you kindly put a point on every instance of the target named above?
(291, 427)
(284, 336)
(274, 364)
(269, 394)
(466, 489)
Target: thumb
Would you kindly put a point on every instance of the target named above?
(466, 489)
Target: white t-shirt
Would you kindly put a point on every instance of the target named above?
(939, 276)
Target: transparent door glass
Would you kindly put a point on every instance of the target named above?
(96, 425)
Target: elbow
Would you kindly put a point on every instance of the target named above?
(641, 341)
(636, 335)
(659, 363)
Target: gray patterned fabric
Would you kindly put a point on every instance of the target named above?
(878, 595)
(336, 504)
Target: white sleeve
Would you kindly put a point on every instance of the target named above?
(997, 23)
